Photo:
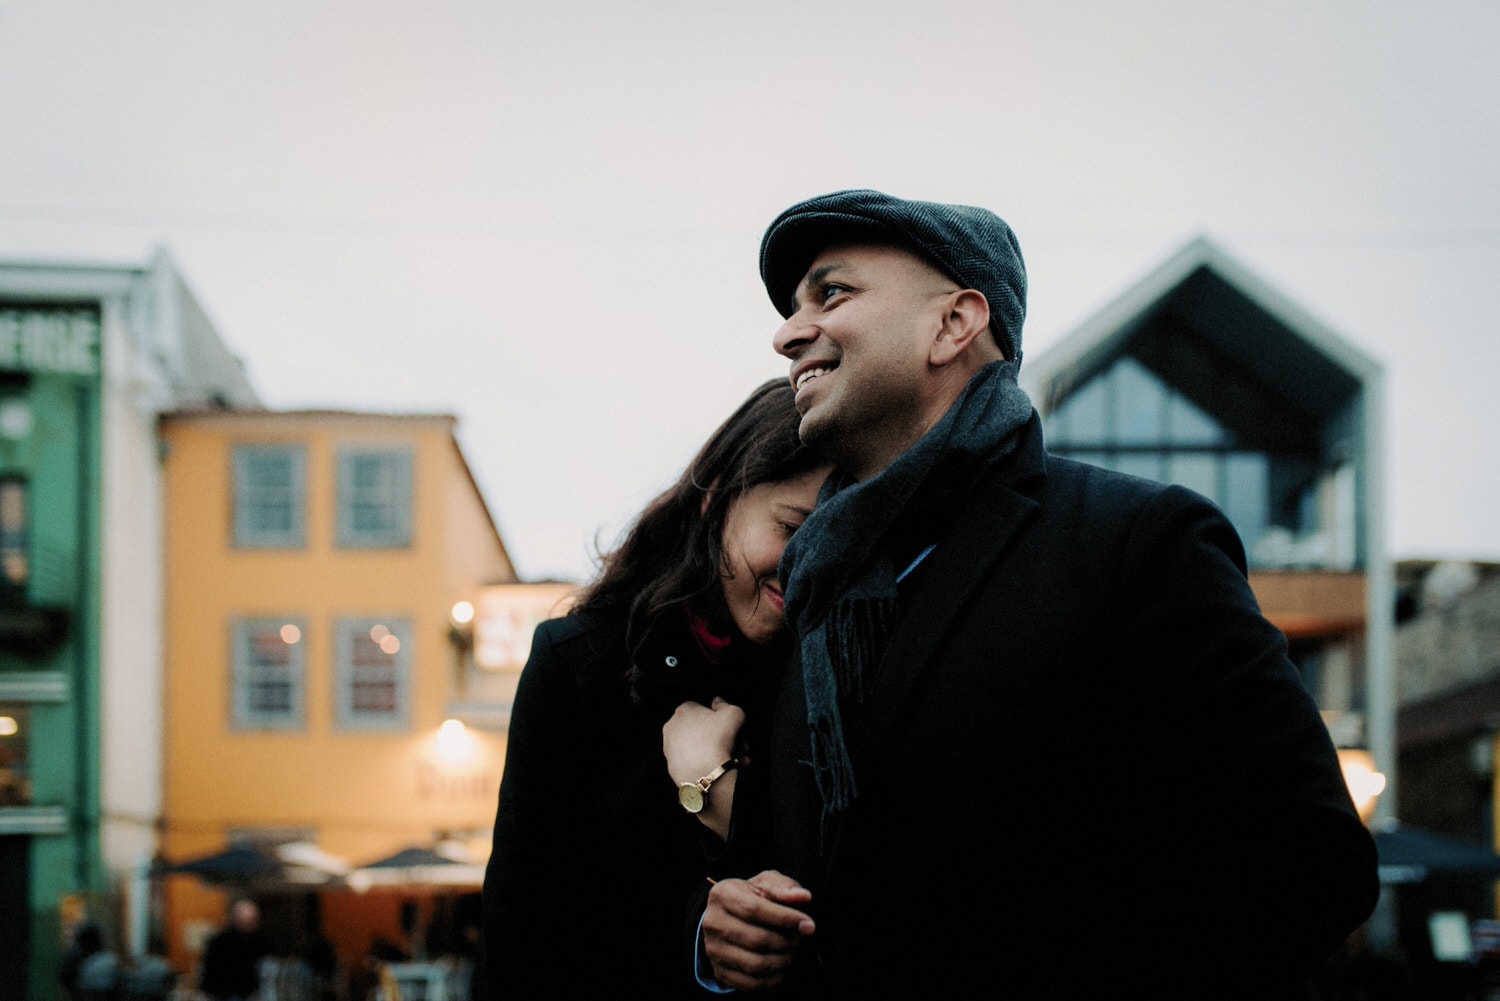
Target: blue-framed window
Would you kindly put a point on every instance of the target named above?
(372, 673)
(374, 497)
(270, 496)
(269, 665)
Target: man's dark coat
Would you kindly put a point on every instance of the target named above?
(1086, 768)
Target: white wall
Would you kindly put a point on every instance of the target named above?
(147, 371)
(130, 604)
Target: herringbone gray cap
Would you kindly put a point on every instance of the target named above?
(973, 246)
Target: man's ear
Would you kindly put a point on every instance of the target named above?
(966, 322)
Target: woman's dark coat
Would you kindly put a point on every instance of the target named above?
(594, 862)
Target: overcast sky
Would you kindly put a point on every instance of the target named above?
(544, 218)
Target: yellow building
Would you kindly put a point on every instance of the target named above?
(313, 564)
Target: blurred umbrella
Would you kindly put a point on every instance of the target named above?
(448, 865)
(295, 864)
(307, 863)
(237, 865)
(1411, 854)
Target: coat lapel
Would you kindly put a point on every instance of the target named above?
(966, 553)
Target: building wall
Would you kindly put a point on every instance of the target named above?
(52, 843)
(362, 795)
(468, 522)
(1455, 641)
(130, 615)
(160, 352)
(1448, 652)
(94, 707)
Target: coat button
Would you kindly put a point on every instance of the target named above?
(671, 661)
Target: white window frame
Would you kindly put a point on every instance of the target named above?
(247, 536)
(245, 675)
(348, 634)
(394, 495)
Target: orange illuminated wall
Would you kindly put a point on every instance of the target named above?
(359, 793)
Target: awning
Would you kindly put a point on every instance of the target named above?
(296, 864)
(447, 865)
(1410, 854)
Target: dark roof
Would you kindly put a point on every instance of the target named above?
(1191, 317)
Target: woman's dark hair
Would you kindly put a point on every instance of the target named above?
(672, 554)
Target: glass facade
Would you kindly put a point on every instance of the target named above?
(1282, 497)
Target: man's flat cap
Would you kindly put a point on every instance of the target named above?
(973, 246)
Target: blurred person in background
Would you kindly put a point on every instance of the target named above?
(231, 960)
(86, 940)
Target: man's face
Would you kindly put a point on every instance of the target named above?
(865, 318)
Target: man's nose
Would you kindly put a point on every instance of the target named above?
(793, 336)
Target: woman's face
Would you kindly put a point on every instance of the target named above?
(757, 527)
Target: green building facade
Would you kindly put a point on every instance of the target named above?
(90, 356)
(49, 711)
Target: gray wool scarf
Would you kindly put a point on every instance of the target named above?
(840, 578)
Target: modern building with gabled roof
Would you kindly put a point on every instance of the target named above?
(1204, 374)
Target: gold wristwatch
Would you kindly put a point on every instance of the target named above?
(692, 795)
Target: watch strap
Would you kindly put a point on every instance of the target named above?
(716, 774)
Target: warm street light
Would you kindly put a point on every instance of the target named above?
(1364, 782)
(454, 746)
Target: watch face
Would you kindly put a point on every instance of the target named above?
(691, 797)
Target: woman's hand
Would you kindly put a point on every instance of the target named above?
(698, 738)
(695, 741)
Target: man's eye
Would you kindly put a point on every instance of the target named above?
(833, 289)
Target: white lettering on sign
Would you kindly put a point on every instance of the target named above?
(53, 340)
(434, 782)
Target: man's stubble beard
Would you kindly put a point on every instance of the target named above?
(871, 434)
(827, 435)
(844, 442)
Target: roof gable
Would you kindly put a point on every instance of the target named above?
(1197, 315)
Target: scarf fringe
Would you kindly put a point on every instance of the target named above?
(857, 630)
(831, 765)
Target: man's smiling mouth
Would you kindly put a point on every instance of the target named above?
(812, 374)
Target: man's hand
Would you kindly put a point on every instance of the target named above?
(752, 927)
